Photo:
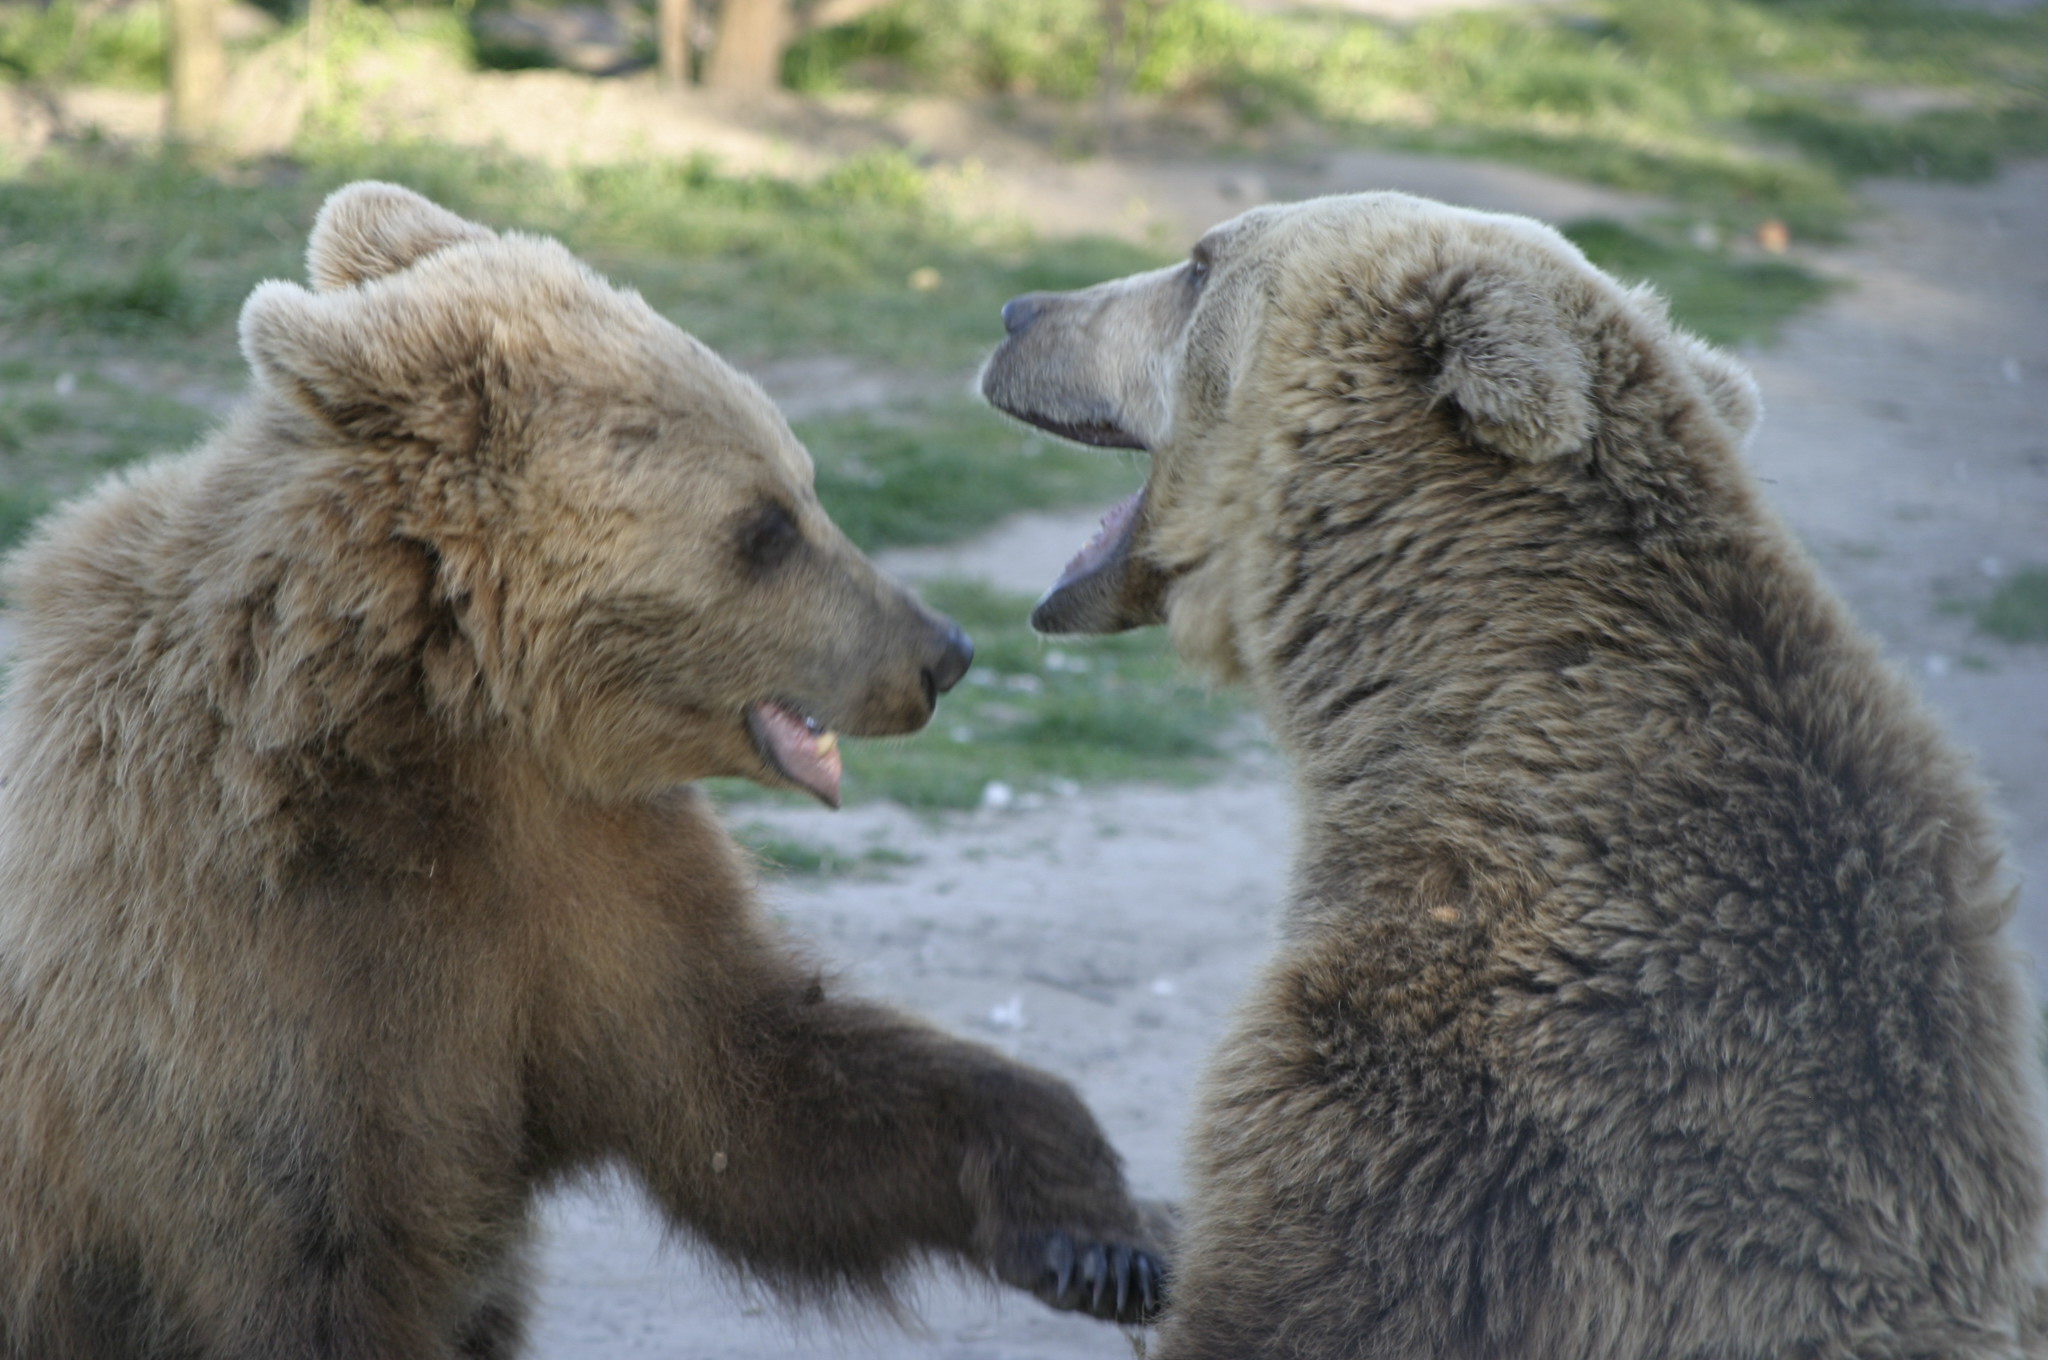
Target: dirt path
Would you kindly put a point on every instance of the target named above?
(1105, 935)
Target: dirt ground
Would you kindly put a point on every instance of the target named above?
(1107, 934)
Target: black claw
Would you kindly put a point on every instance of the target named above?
(1120, 1267)
(1059, 1259)
(1148, 1285)
(1095, 1275)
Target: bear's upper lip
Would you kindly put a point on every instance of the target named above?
(798, 747)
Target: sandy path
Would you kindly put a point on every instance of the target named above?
(1106, 935)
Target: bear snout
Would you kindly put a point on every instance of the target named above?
(955, 655)
(1020, 312)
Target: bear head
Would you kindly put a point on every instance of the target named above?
(1419, 329)
(619, 554)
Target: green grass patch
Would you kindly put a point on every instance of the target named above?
(96, 239)
(2018, 610)
(1036, 715)
(126, 271)
(1723, 299)
(786, 856)
(1745, 108)
(933, 472)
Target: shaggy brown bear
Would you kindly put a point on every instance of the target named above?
(352, 891)
(1645, 989)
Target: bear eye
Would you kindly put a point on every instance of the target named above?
(1198, 269)
(769, 536)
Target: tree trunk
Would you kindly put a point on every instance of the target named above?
(673, 42)
(751, 36)
(1110, 78)
(198, 66)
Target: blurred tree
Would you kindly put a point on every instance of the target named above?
(197, 66)
(672, 40)
(748, 54)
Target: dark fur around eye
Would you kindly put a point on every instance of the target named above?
(769, 536)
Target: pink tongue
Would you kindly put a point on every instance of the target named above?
(1115, 525)
(795, 747)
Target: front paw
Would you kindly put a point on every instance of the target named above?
(1114, 1281)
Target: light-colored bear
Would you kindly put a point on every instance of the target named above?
(352, 888)
(1646, 988)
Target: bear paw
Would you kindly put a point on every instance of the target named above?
(1113, 1281)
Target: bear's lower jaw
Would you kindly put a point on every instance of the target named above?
(797, 748)
(1106, 588)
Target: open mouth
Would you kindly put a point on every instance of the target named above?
(798, 747)
(1111, 543)
(1089, 595)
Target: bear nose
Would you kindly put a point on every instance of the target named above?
(956, 654)
(1020, 312)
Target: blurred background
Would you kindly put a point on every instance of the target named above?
(1080, 859)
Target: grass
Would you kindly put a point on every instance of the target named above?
(122, 273)
(2018, 610)
(1723, 299)
(932, 472)
(1035, 715)
(787, 856)
(1745, 109)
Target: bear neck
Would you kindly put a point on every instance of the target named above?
(1465, 658)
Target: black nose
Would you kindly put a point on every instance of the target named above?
(1020, 312)
(956, 654)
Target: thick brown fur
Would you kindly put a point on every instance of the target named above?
(351, 887)
(1646, 988)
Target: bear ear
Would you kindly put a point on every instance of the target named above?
(1508, 363)
(369, 229)
(1730, 387)
(374, 367)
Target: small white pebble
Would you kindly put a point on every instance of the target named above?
(1937, 665)
(1163, 987)
(66, 384)
(718, 1163)
(996, 795)
(1009, 1015)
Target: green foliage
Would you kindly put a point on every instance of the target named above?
(1721, 299)
(87, 44)
(2018, 610)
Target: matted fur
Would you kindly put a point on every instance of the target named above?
(351, 891)
(1645, 989)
